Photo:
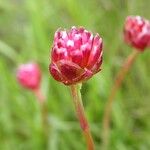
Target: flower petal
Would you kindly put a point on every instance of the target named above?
(95, 52)
(69, 70)
(55, 72)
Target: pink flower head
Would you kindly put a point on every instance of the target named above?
(76, 55)
(29, 75)
(137, 32)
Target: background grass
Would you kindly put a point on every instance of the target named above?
(26, 33)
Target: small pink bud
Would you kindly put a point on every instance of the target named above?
(76, 55)
(29, 75)
(137, 32)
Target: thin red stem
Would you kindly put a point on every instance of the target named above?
(81, 116)
(118, 81)
(39, 95)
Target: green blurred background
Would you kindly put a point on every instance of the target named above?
(26, 33)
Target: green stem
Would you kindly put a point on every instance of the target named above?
(119, 79)
(75, 91)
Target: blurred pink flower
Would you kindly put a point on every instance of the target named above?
(29, 75)
(76, 55)
(137, 32)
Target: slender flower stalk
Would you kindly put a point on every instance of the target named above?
(77, 100)
(118, 81)
(38, 93)
(44, 113)
(137, 35)
(76, 56)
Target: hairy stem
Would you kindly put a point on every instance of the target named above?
(118, 81)
(75, 91)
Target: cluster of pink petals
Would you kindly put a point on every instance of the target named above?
(76, 55)
(137, 32)
(29, 75)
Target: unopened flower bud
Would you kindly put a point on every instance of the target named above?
(76, 55)
(29, 75)
(137, 32)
